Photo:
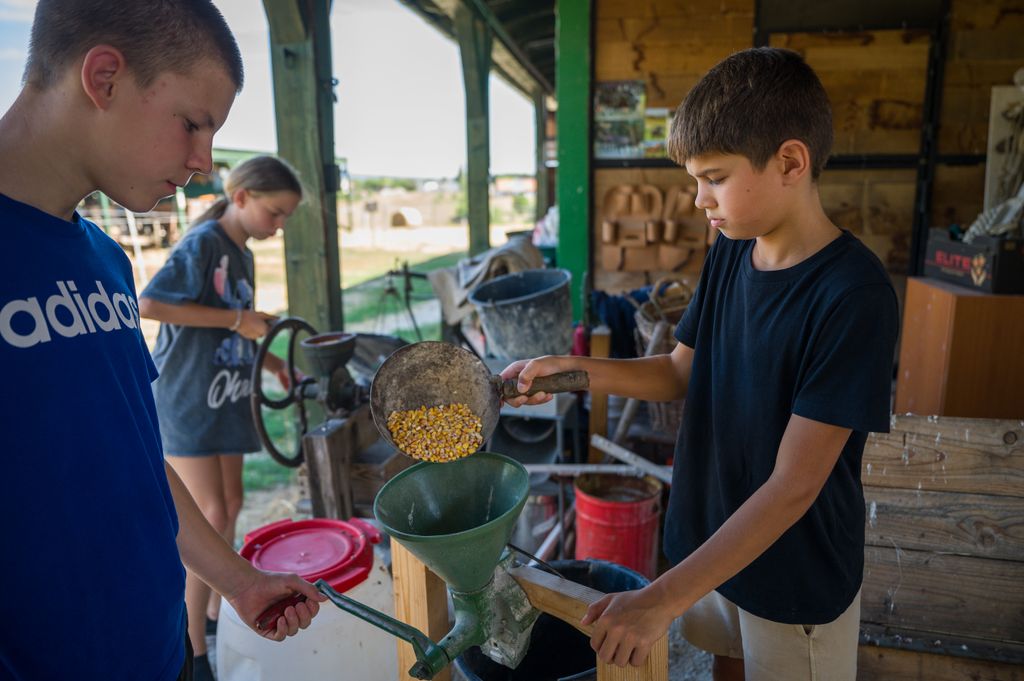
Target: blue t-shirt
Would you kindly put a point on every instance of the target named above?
(817, 340)
(202, 395)
(93, 584)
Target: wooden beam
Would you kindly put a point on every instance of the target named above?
(600, 346)
(475, 41)
(574, 50)
(947, 596)
(568, 601)
(328, 451)
(540, 118)
(888, 664)
(303, 107)
(287, 24)
(979, 525)
(441, 13)
(421, 601)
(506, 42)
(947, 454)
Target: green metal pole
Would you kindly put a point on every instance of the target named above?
(475, 40)
(572, 82)
(300, 44)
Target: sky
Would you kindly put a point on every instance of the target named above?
(401, 104)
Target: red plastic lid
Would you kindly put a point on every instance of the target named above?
(337, 551)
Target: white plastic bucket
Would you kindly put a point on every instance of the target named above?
(337, 646)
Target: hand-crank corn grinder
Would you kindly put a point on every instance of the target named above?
(455, 517)
(346, 459)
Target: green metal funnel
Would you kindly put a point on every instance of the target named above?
(456, 517)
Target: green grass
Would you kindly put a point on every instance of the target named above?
(365, 301)
(262, 472)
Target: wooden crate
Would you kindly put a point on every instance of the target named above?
(960, 354)
(943, 596)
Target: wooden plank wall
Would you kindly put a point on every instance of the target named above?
(944, 556)
(669, 45)
(985, 48)
(876, 84)
(876, 81)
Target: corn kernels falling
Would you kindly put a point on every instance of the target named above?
(443, 433)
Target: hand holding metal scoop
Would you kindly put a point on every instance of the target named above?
(431, 373)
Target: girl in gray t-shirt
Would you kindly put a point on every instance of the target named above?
(203, 297)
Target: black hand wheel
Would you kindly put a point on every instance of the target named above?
(295, 389)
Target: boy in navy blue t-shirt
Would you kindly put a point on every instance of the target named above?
(785, 361)
(123, 97)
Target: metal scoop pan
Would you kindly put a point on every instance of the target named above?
(432, 373)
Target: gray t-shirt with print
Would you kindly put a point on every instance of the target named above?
(202, 394)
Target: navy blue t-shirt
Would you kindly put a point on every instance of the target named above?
(93, 584)
(817, 340)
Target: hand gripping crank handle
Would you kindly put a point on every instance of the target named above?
(431, 658)
(565, 382)
(268, 618)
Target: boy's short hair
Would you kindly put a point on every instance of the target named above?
(749, 104)
(155, 36)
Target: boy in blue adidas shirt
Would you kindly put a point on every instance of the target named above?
(123, 97)
(785, 361)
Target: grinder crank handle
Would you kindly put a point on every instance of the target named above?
(431, 658)
(565, 382)
(268, 618)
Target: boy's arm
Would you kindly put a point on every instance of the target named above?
(249, 590)
(251, 324)
(626, 625)
(660, 378)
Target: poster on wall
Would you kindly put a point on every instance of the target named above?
(656, 126)
(619, 108)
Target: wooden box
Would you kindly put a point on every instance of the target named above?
(962, 352)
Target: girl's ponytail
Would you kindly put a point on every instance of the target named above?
(259, 174)
(214, 212)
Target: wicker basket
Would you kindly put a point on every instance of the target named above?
(668, 301)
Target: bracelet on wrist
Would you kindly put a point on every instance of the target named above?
(238, 321)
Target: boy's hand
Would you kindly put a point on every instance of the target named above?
(627, 625)
(267, 588)
(527, 370)
(255, 325)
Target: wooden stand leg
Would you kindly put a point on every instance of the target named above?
(421, 600)
(568, 602)
(600, 346)
(328, 452)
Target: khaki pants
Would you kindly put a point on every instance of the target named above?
(772, 651)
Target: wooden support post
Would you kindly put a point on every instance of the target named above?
(600, 346)
(568, 602)
(475, 40)
(328, 452)
(300, 42)
(540, 117)
(421, 601)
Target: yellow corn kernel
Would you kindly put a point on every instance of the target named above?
(439, 433)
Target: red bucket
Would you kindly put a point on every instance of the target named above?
(617, 520)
